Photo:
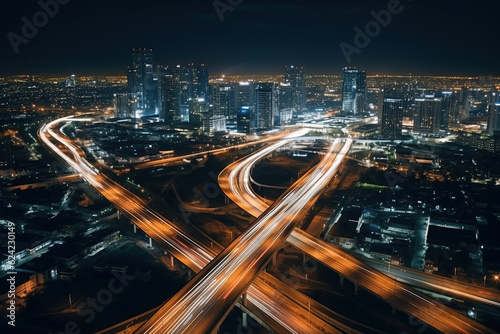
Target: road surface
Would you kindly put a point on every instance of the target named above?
(206, 300)
(186, 246)
(235, 182)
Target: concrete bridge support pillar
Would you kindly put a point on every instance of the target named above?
(135, 228)
(356, 289)
(244, 319)
(341, 281)
(150, 242)
(244, 302)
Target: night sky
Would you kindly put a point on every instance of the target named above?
(95, 37)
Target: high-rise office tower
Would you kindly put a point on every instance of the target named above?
(203, 88)
(223, 100)
(265, 108)
(194, 82)
(169, 92)
(354, 91)
(296, 78)
(244, 120)
(199, 109)
(390, 114)
(448, 99)
(244, 92)
(284, 112)
(460, 108)
(494, 114)
(428, 112)
(125, 105)
(185, 77)
(285, 96)
(141, 79)
(464, 98)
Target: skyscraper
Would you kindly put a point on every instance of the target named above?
(203, 88)
(187, 76)
(460, 108)
(199, 109)
(194, 82)
(464, 99)
(390, 112)
(448, 99)
(265, 108)
(428, 113)
(354, 91)
(285, 96)
(141, 80)
(191, 85)
(125, 105)
(244, 92)
(169, 92)
(244, 120)
(494, 114)
(296, 78)
(223, 100)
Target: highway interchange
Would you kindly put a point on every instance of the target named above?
(183, 244)
(235, 182)
(255, 246)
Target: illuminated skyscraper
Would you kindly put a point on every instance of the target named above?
(141, 79)
(244, 92)
(125, 105)
(448, 101)
(459, 109)
(203, 88)
(190, 84)
(494, 114)
(169, 92)
(199, 110)
(285, 96)
(193, 80)
(223, 100)
(354, 91)
(296, 78)
(390, 117)
(244, 120)
(187, 78)
(464, 100)
(428, 113)
(265, 108)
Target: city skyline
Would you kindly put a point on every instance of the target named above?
(419, 37)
